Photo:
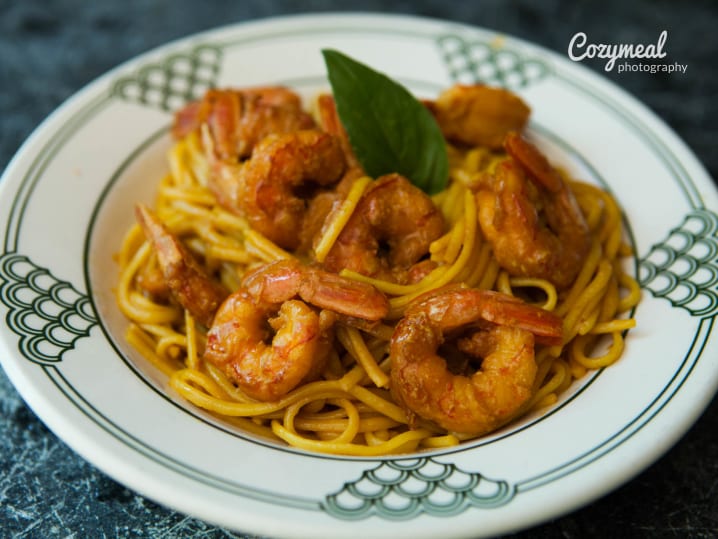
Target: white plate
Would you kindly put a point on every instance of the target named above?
(66, 200)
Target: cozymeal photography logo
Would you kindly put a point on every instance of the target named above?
(626, 57)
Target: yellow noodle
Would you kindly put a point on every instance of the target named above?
(186, 209)
(560, 374)
(134, 306)
(580, 353)
(131, 243)
(376, 437)
(587, 299)
(336, 221)
(236, 255)
(455, 243)
(145, 345)
(228, 221)
(192, 360)
(447, 440)
(365, 425)
(584, 277)
(546, 286)
(226, 386)
(192, 195)
(613, 326)
(252, 426)
(379, 404)
(211, 235)
(588, 320)
(634, 292)
(264, 248)
(503, 284)
(480, 268)
(490, 275)
(353, 342)
(350, 424)
(401, 443)
(187, 381)
(169, 345)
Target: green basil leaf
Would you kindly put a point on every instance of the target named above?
(388, 128)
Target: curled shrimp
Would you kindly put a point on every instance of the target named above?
(267, 336)
(237, 344)
(238, 119)
(390, 230)
(186, 280)
(532, 219)
(273, 188)
(233, 123)
(479, 115)
(497, 329)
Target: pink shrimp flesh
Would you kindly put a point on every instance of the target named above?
(390, 230)
(532, 219)
(496, 329)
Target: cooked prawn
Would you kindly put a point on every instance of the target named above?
(498, 329)
(237, 344)
(187, 281)
(390, 230)
(479, 115)
(273, 188)
(238, 119)
(265, 336)
(532, 219)
(277, 281)
(231, 124)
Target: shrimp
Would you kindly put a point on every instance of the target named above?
(321, 205)
(498, 329)
(390, 230)
(532, 219)
(238, 119)
(479, 115)
(331, 123)
(277, 281)
(273, 188)
(238, 344)
(272, 299)
(233, 123)
(266, 336)
(186, 280)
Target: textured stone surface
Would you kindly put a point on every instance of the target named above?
(50, 49)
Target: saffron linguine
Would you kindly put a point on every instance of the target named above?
(349, 409)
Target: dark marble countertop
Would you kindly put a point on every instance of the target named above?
(50, 49)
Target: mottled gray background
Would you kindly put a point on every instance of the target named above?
(49, 50)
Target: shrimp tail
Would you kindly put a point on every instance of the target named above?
(506, 310)
(497, 329)
(275, 282)
(284, 279)
(189, 284)
(342, 295)
(533, 161)
(453, 306)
